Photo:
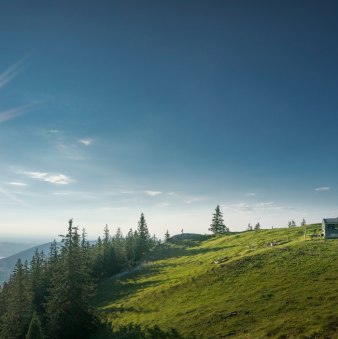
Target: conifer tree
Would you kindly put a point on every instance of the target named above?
(119, 244)
(166, 236)
(39, 281)
(69, 314)
(18, 304)
(143, 238)
(109, 257)
(131, 246)
(303, 223)
(257, 227)
(217, 225)
(35, 329)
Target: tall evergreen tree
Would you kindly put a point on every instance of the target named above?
(39, 281)
(257, 226)
(217, 225)
(143, 240)
(119, 244)
(18, 304)
(69, 314)
(35, 329)
(131, 246)
(166, 236)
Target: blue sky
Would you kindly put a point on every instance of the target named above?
(113, 108)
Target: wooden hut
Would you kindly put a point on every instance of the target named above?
(330, 228)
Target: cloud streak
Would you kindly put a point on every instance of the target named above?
(153, 193)
(322, 189)
(11, 72)
(12, 197)
(18, 184)
(14, 112)
(57, 179)
(261, 206)
(86, 142)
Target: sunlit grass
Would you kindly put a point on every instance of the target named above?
(255, 290)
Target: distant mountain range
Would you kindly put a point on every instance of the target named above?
(8, 248)
(7, 264)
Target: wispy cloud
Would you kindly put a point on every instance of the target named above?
(128, 192)
(58, 179)
(12, 197)
(11, 72)
(153, 193)
(321, 189)
(14, 112)
(261, 206)
(250, 194)
(86, 142)
(163, 204)
(14, 183)
(194, 199)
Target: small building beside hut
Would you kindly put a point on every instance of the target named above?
(330, 228)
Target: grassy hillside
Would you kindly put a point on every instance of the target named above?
(237, 285)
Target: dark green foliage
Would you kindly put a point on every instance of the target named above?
(119, 244)
(257, 227)
(142, 238)
(35, 329)
(292, 223)
(68, 312)
(39, 281)
(16, 308)
(217, 225)
(52, 295)
(166, 236)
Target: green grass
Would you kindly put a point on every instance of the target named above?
(237, 285)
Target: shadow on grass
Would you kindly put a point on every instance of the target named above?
(113, 290)
(134, 331)
(169, 251)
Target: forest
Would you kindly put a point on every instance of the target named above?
(50, 296)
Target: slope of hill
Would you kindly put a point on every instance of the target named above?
(7, 264)
(265, 284)
(8, 248)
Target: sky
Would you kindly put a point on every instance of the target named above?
(113, 108)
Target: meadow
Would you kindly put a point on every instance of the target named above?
(256, 284)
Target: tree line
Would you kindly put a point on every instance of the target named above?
(50, 296)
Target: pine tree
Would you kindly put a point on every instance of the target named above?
(131, 246)
(119, 244)
(143, 238)
(18, 304)
(35, 329)
(39, 281)
(110, 265)
(257, 227)
(166, 236)
(217, 225)
(67, 306)
(303, 223)
(249, 227)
